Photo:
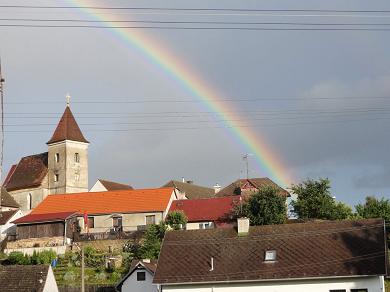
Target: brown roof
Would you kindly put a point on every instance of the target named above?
(23, 278)
(67, 129)
(192, 191)
(48, 217)
(29, 172)
(5, 216)
(7, 200)
(114, 186)
(303, 250)
(255, 182)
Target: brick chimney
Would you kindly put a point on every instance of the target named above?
(242, 226)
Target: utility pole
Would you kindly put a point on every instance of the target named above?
(2, 80)
(82, 270)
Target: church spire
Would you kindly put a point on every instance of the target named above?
(67, 128)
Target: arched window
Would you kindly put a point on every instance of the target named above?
(29, 201)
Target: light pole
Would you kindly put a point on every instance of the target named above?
(82, 266)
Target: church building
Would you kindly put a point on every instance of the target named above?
(62, 169)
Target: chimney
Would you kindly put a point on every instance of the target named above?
(182, 179)
(217, 188)
(146, 261)
(242, 226)
(190, 182)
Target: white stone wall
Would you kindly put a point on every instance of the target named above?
(373, 284)
(132, 285)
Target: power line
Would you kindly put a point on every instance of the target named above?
(166, 100)
(192, 22)
(192, 28)
(193, 9)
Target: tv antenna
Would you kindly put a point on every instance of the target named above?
(245, 157)
(2, 80)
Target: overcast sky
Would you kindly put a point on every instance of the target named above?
(305, 84)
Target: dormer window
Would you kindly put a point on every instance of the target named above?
(76, 157)
(57, 157)
(270, 255)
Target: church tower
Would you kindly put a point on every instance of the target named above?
(67, 157)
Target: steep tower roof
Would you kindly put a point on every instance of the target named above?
(67, 129)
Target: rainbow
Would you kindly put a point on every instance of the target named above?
(156, 54)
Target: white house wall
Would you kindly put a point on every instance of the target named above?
(98, 187)
(9, 227)
(132, 285)
(373, 284)
(130, 222)
(51, 284)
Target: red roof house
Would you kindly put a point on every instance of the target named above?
(207, 213)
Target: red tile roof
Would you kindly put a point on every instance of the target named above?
(213, 209)
(49, 217)
(123, 201)
(29, 172)
(67, 129)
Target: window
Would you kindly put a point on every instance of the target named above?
(57, 157)
(205, 225)
(270, 255)
(29, 201)
(117, 221)
(141, 276)
(56, 177)
(151, 219)
(76, 157)
(359, 290)
(91, 222)
(338, 290)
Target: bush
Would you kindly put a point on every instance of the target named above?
(18, 258)
(43, 258)
(176, 219)
(92, 258)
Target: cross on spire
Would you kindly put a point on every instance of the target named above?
(67, 99)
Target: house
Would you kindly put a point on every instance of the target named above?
(99, 212)
(188, 190)
(62, 169)
(38, 278)
(207, 213)
(327, 256)
(7, 227)
(102, 185)
(140, 277)
(9, 211)
(248, 186)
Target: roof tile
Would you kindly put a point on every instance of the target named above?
(304, 250)
(122, 201)
(67, 129)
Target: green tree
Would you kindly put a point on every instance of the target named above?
(314, 201)
(266, 206)
(176, 219)
(152, 241)
(374, 208)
